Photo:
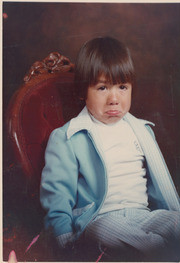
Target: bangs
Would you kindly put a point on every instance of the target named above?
(114, 73)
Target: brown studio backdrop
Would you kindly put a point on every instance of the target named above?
(151, 31)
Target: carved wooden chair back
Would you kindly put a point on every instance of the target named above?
(44, 102)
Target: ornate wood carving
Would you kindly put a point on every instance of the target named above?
(53, 63)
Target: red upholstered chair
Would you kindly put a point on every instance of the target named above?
(44, 102)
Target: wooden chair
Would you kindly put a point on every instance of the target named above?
(44, 102)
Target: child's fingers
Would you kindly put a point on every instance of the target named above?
(12, 257)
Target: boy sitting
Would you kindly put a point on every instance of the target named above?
(105, 175)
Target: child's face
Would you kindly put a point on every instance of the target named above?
(108, 103)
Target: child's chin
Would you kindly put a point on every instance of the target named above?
(113, 120)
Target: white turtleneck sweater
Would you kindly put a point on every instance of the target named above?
(124, 161)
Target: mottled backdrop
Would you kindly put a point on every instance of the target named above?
(152, 31)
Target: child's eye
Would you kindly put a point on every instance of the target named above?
(102, 88)
(122, 87)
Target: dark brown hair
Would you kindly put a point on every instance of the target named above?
(103, 55)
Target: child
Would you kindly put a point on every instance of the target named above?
(104, 174)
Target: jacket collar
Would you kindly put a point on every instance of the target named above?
(130, 118)
(84, 122)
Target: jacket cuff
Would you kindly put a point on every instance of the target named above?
(64, 239)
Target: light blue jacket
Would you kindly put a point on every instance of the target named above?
(74, 179)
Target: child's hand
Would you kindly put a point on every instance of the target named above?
(12, 257)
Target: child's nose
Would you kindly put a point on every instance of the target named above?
(113, 98)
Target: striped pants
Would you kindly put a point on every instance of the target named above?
(148, 235)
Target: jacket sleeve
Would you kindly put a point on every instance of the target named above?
(58, 190)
